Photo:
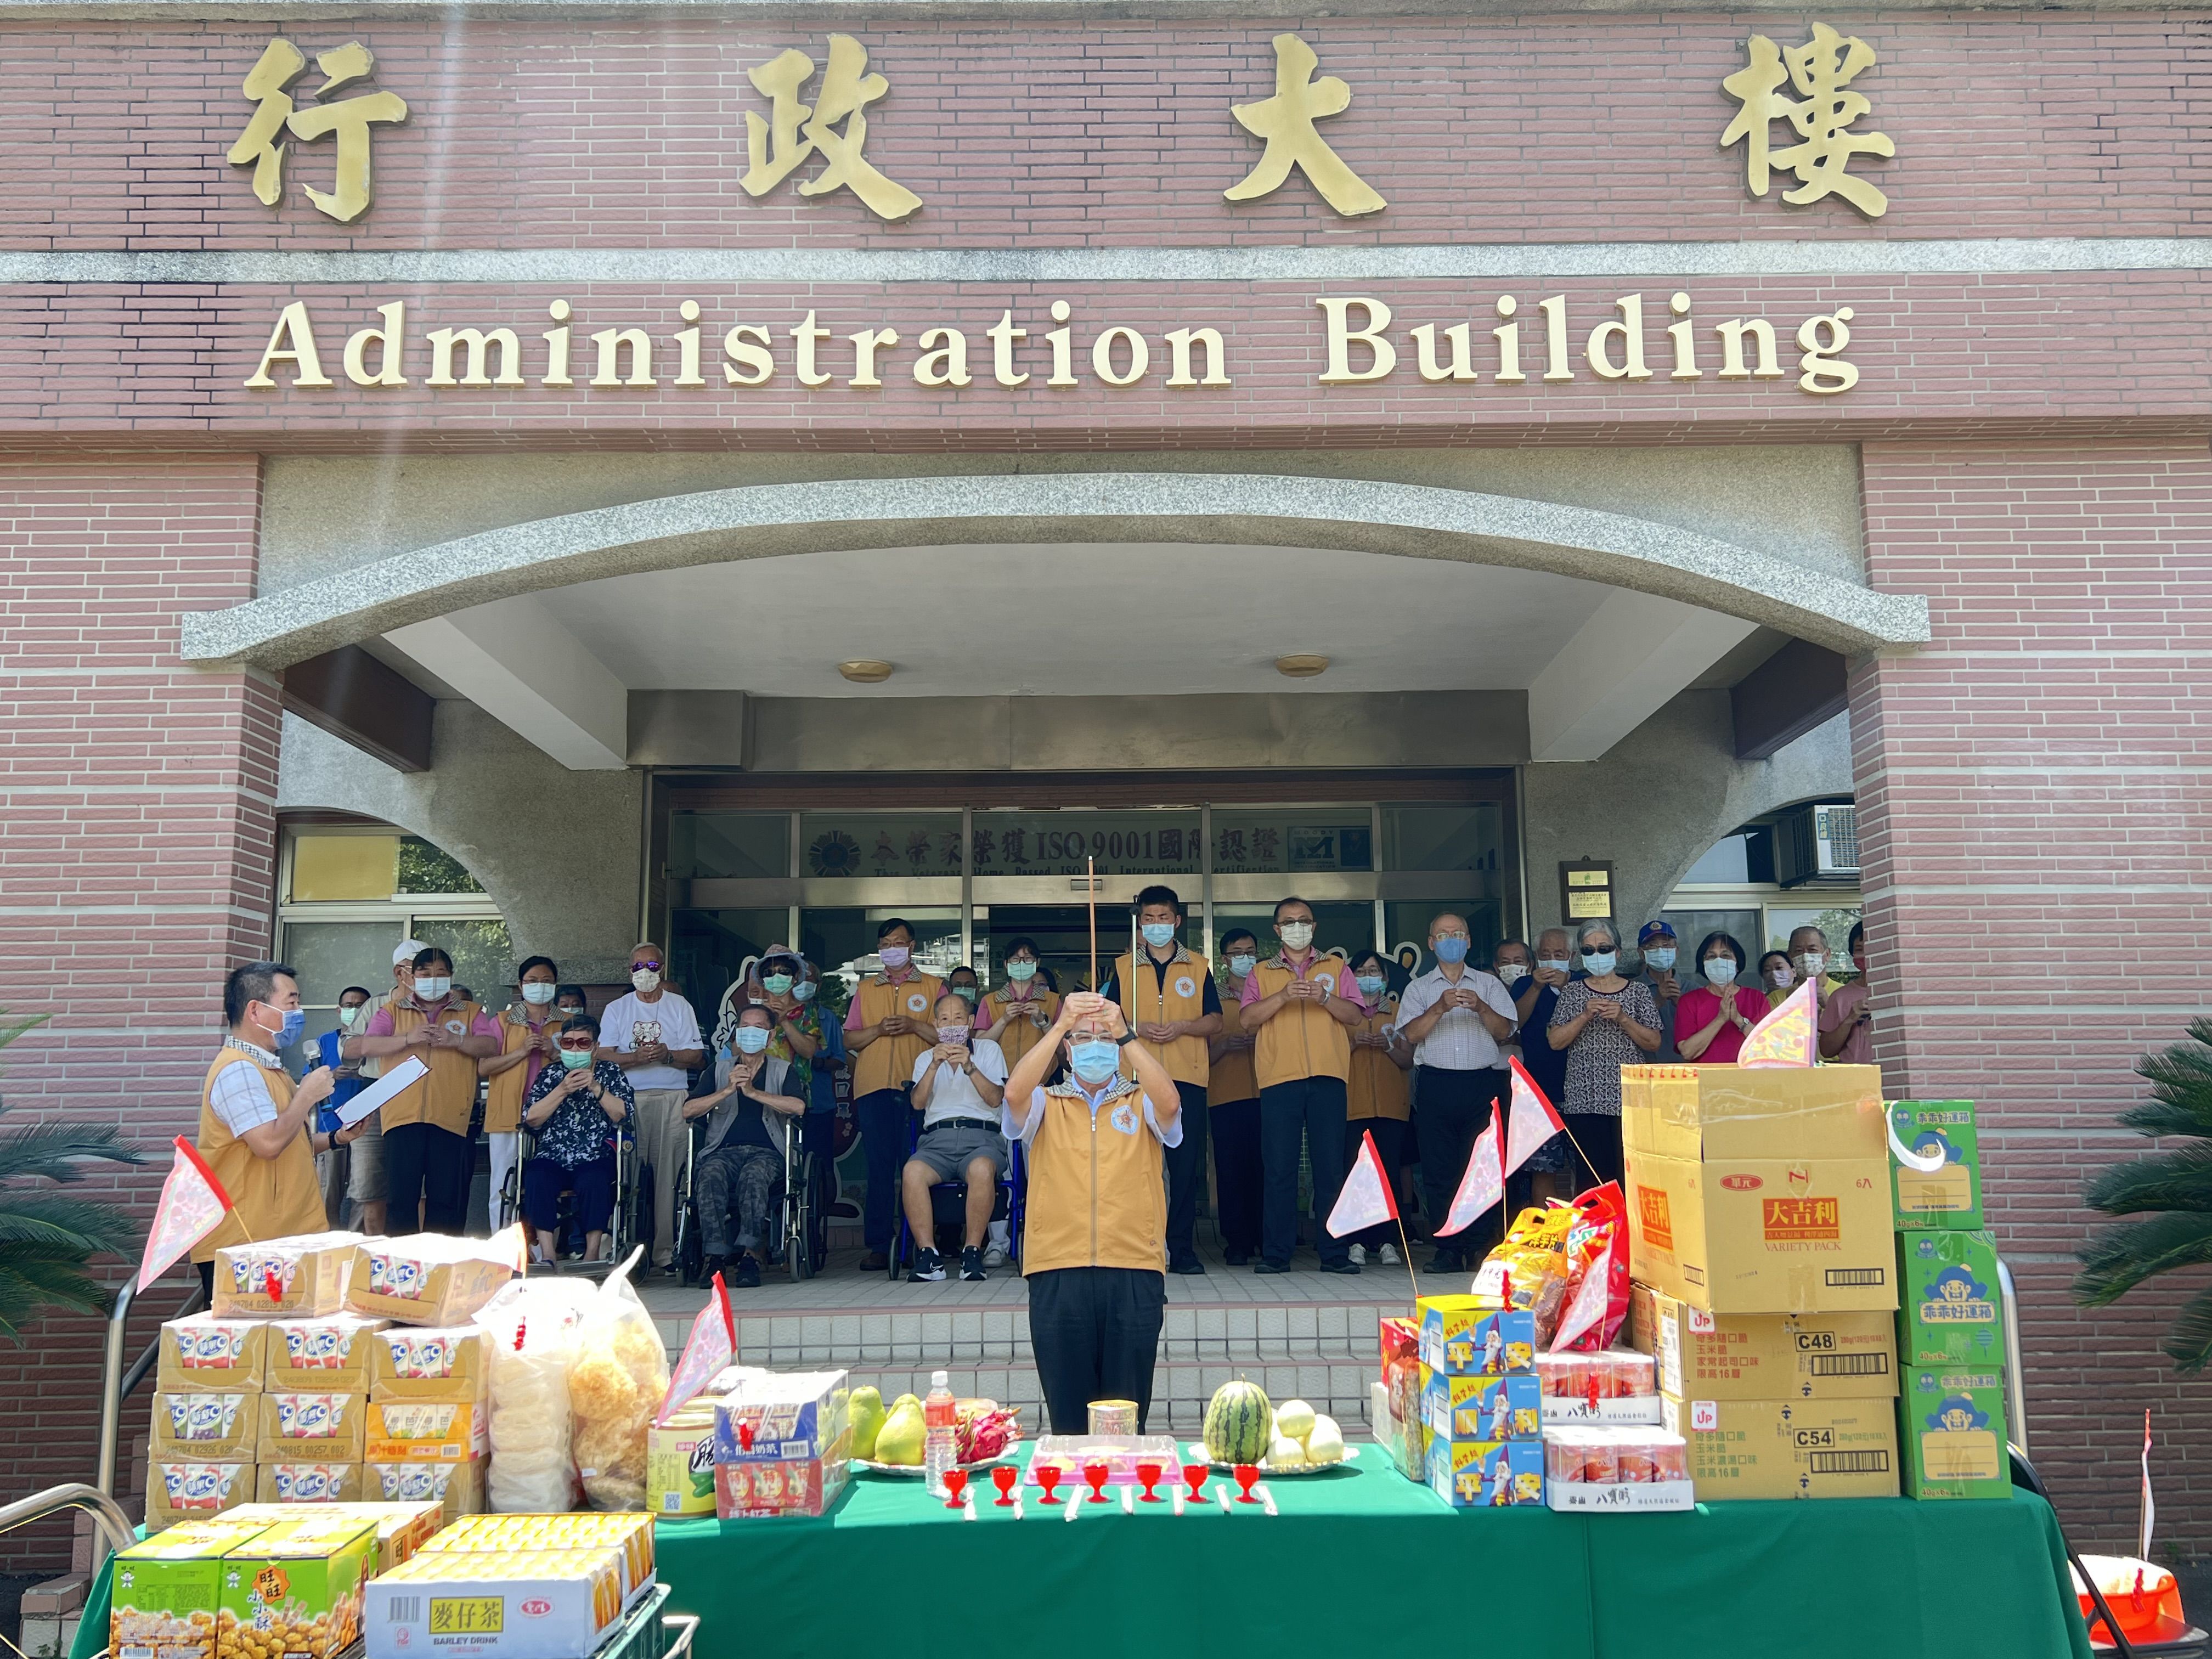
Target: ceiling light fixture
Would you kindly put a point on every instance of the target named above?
(1301, 667)
(866, 671)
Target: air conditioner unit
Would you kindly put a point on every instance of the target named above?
(1817, 846)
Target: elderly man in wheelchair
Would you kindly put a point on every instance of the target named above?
(739, 1158)
(958, 1086)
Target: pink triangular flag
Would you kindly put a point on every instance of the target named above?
(1789, 1035)
(1482, 1186)
(193, 1204)
(1534, 1120)
(1365, 1198)
(711, 1346)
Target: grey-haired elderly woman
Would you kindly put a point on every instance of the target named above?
(1604, 1021)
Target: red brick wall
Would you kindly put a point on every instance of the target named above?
(135, 867)
(2036, 822)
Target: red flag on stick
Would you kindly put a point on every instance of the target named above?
(1483, 1186)
(712, 1345)
(1534, 1120)
(1365, 1198)
(193, 1204)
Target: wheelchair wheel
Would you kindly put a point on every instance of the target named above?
(799, 1222)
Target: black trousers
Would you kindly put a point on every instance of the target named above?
(1234, 1126)
(1389, 1134)
(1312, 1107)
(1096, 1335)
(426, 1175)
(885, 1117)
(1599, 1136)
(1453, 1108)
(1186, 1166)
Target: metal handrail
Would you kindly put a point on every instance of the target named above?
(107, 1517)
(2015, 1382)
(118, 1384)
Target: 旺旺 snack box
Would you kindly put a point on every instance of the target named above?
(167, 1590)
(320, 1353)
(1955, 1433)
(1486, 1473)
(1461, 1336)
(1952, 1311)
(305, 1274)
(185, 1489)
(631, 1533)
(217, 1355)
(425, 1279)
(1703, 1356)
(312, 1428)
(532, 1604)
(1787, 1448)
(294, 1589)
(419, 1363)
(1759, 1190)
(1480, 1407)
(401, 1528)
(1948, 1198)
(212, 1427)
(425, 1430)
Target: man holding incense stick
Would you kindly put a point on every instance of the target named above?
(1094, 1245)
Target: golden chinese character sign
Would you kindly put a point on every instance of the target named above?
(794, 133)
(1822, 70)
(349, 120)
(1285, 123)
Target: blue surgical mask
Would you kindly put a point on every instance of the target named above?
(1721, 970)
(1021, 972)
(288, 1034)
(429, 988)
(967, 994)
(752, 1039)
(1451, 950)
(575, 1059)
(1599, 963)
(1096, 1060)
(1369, 984)
(1553, 964)
(1159, 934)
(1659, 958)
(775, 984)
(1241, 965)
(804, 990)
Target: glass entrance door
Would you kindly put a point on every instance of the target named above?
(1061, 934)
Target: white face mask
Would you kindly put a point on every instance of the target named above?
(428, 989)
(538, 991)
(1295, 935)
(645, 979)
(1811, 963)
(1780, 976)
(1512, 973)
(1721, 970)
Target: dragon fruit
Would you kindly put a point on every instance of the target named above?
(986, 1433)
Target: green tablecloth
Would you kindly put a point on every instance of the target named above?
(1362, 1560)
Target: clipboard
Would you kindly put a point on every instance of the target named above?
(395, 1078)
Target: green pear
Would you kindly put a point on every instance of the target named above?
(900, 1439)
(865, 1412)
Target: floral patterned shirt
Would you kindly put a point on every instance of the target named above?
(579, 1131)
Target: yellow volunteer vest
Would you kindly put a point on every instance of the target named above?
(1304, 1040)
(503, 1094)
(270, 1197)
(888, 1062)
(1375, 1087)
(446, 1097)
(1148, 996)
(1021, 1034)
(1097, 1196)
(1231, 1077)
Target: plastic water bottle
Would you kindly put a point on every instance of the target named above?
(941, 1444)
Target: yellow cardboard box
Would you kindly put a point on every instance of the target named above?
(187, 1489)
(1764, 1234)
(426, 1430)
(320, 1353)
(413, 1362)
(456, 1488)
(312, 1428)
(401, 1528)
(425, 1279)
(212, 1428)
(1787, 1448)
(1703, 1356)
(320, 1484)
(216, 1356)
(1754, 1113)
(305, 1274)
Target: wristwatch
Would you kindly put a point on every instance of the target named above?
(1125, 1039)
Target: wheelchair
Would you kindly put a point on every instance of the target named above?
(799, 1218)
(948, 1206)
(629, 1221)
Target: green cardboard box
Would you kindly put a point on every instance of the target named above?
(1949, 1199)
(1954, 1438)
(168, 1589)
(1951, 1312)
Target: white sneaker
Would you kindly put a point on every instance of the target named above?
(1388, 1256)
(994, 1257)
(1358, 1254)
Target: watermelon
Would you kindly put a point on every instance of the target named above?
(1239, 1423)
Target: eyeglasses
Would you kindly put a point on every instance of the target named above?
(578, 1045)
(649, 962)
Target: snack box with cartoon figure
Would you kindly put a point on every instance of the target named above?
(630, 1533)
(212, 1427)
(1950, 1198)
(1480, 1407)
(312, 1428)
(425, 1430)
(793, 1486)
(414, 1362)
(456, 1488)
(295, 1590)
(305, 1274)
(1953, 1309)
(319, 1484)
(530, 1604)
(185, 1489)
(1462, 1336)
(780, 1418)
(225, 1356)
(1486, 1473)
(1954, 1432)
(320, 1353)
(168, 1590)
(425, 1279)
(401, 1528)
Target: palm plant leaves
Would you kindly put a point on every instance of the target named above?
(2170, 1190)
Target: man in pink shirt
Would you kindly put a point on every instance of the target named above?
(1846, 1022)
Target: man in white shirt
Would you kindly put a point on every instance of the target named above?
(959, 1087)
(654, 1036)
(1456, 1016)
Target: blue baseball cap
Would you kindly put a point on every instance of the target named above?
(1653, 930)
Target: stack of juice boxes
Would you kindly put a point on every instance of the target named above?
(1762, 1244)
(514, 1587)
(1950, 1328)
(426, 1407)
(1480, 1413)
(781, 1444)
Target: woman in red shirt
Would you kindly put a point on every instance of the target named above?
(1711, 1022)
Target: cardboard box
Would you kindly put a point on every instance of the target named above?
(1486, 1473)
(1950, 1199)
(1401, 1339)
(1753, 1115)
(424, 1278)
(224, 1356)
(312, 1428)
(1480, 1407)
(416, 1363)
(1952, 1311)
(167, 1590)
(1955, 1432)
(426, 1430)
(323, 1354)
(1800, 1236)
(183, 1489)
(294, 1591)
(778, 1486)
(784, 1419)
(1787, 1448)
(401, 1528)
(1464, 1336)
(630, 1533)
(319, 1484)
(536, 1604)
(1703, 1356)
(1620, 1497)
(456, 1488)
(212, 1428)
(305, 1274)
